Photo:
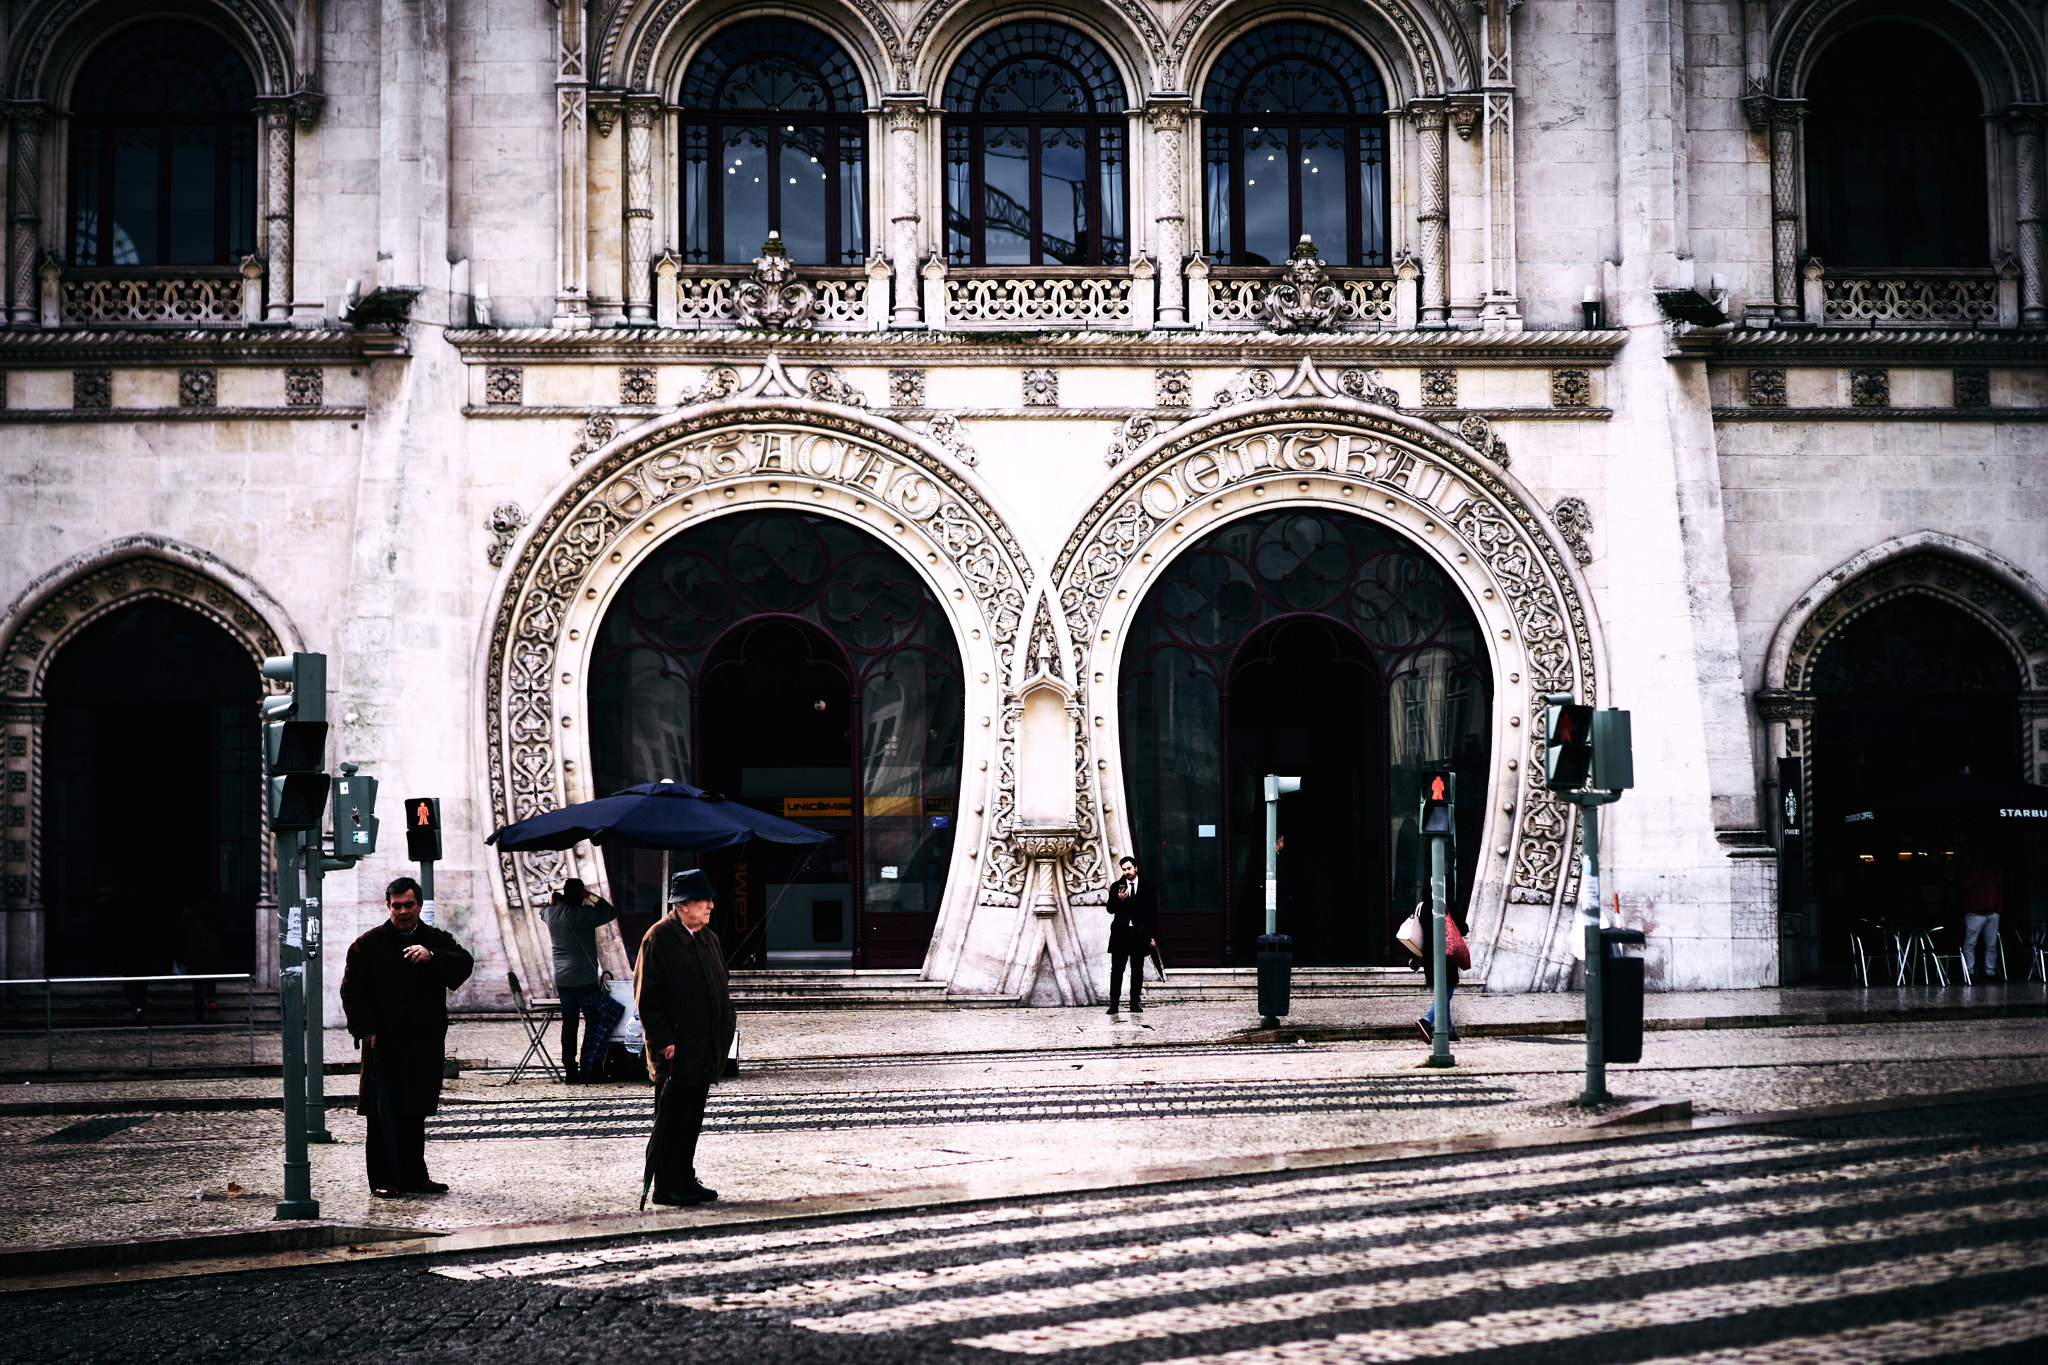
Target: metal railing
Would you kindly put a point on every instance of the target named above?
(50, 984)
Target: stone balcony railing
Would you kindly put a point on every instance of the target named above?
(1233, 298)
(1039, 298)
(1911, 298)
(130, 296)
(717, 297)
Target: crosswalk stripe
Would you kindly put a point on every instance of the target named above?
(1524, 1327)
(1261, 1311)
(1986, 1327)
(1093, 1293)
(983, 1238)
(1504, 1175)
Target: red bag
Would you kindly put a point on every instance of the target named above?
(1455, 951)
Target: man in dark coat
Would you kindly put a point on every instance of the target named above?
(1133, 929)
(395, 993)
(686, 1015)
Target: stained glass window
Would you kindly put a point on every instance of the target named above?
(1035, 159)
(774, 139)
(1294, 143)
(163, 151)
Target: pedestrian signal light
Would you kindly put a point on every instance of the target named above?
(423, 828)
(295, 741)
(1439, 793)
(355, 814)
(1567, 745)
(1614, 764)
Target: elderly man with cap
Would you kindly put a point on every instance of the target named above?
(686, 1014)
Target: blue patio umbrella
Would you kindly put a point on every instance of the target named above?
(664, 815)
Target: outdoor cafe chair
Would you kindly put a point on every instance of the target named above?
(539, 1016)
(1883, 944)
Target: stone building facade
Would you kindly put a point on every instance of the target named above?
(1051, 474)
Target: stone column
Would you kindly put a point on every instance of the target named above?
(572, 188)
(640, 112)
(280, 148)
(22, 935)
(1503, 307)
(1433, 210)
(2025, 122)
(1780, 118)
(1169, 119)
(906, 119)
(25, 209)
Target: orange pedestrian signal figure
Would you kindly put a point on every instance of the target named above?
(423, 829)
(1436, 787)
(1436, 803)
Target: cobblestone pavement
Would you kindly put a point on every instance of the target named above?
(789, 1129)
(1907, 1236)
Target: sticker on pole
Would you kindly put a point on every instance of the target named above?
(1272, 893)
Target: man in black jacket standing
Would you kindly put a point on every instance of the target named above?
(1133, 929)
(395, 994)
(686, 1015)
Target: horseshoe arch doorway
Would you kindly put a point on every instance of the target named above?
(1318, 639)
(798, 664)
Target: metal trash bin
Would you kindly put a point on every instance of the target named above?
(1621, 994)
(1276, 964)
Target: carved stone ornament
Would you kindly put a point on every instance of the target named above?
(503, 524)
(1767, 387)
(598, 429)
(1972, 388)
(1172, 388)
(948, 435)
(304, 386)
(199, 388)
(1135, 431)
(720, 381)
(1439, 387)
(1247, 386)
(636, 386)
(1575, 523)
(1303, 299)
(828, 386)
(906, 388)
(1480, 435)
(1167, 499)
(1870, 388)
(1368, 386)
(1041, 388)
(92, 390)
(773, 296)
(1571, 388)
(679, 470)
(505, 385)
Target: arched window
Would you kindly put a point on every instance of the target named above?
(1892, 180)
(163, 151)
(774, 140)
(1035, 151)
(1295, 139)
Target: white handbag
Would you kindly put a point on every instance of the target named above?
(1410, 934)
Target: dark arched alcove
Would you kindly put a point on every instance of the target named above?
(152, 856)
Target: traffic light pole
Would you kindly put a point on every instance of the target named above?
(1589, 803)
(316, 996)
(298, 1201)
(1440, 1000)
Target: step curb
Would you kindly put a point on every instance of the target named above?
(412, 1243)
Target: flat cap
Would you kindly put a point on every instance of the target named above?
(691, 885)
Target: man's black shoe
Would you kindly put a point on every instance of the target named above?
(1112, 1011)
(429, 1187)
(1137, 1009)
(705, 1194)
(388, 1194)
(687, 1199)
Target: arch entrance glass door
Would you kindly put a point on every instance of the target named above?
(1323, 641)
(800, 665)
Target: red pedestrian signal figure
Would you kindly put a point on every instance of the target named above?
(423, 828)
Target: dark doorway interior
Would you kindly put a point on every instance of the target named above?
(1304, 700)
(1907, 695)
(151, 710)
(775, 721)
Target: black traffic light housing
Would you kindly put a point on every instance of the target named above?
(1567, 745)
(1439, 794)
(295, 741)
(355, 814)
(423, 828)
